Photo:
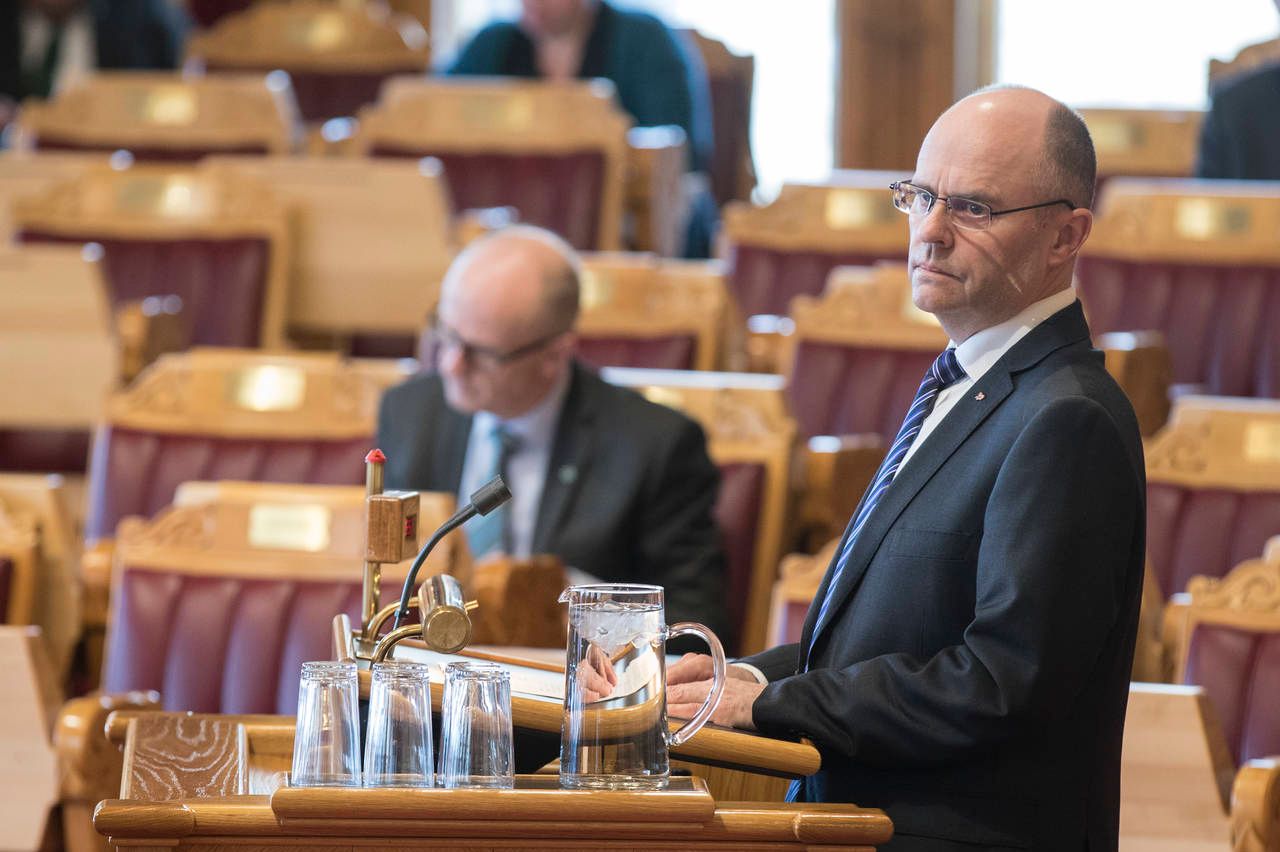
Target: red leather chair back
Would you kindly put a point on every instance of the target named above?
(765, 280)
(1240, 672)
(561, 192)
(241, 641)
(134, 472)
(1222, 323)
(1205, 530)
(670, 352)
(222, 283)
(845, 390)
(206, 13)
(44, 450)
(322, 95)
(737, 513)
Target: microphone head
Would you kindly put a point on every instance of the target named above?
(490, 496)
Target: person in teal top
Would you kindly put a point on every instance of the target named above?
(658, 75)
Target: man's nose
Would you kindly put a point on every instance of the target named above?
(934, 226)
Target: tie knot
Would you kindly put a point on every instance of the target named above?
(946, 368)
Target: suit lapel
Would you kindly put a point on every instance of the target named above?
(570, 458)
(450, 449)
(1065, 327)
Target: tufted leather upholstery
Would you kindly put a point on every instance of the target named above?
(765, 280)
(1222, 323)
(147, 154)
(206, 13)
(737, 513)
(327, 94)
(6, 577)
(560, 192)
(670, 352)
(222, 283)
(843, 390)
(134, 472)
(44, 450)
(1205, 530)
(242, 643)
(1240, 672)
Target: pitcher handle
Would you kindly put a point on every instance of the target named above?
(691, 727)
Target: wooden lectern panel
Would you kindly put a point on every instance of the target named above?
(536, 814)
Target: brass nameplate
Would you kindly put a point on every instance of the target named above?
(509, 113)
(855, 208)
(170, 106)
(325, 31)
(172, 197)
(1209, 218)
(1117, 134)
(281, 526)
(1262, 442)
(268, 388)
(597, 289)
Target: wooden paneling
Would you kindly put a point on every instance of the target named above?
(896, 74)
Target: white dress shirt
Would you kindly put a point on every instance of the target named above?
(534, 433)
(978, 354)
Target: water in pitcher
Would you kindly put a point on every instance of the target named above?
(615, 704)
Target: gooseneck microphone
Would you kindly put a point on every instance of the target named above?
(484, 500)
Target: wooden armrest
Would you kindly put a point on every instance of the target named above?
(476, 222)
(90, 764)
(95, 579)
(148, 329)
(1255, 807)
(836, 469)
(1139, 362)
(767, 341)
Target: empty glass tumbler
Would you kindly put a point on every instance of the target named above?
(326, 744)
(475, 729)
(397, 749)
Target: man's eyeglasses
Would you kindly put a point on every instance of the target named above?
(964, 212)
(484, 357)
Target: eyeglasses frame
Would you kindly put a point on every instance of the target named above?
(947, 199)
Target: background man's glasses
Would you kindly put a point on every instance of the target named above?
(964, 212)
(484, 357)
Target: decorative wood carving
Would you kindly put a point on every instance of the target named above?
(314, 35)
(1249, 58)
(1187, 221)
(1222, 442)
(852, 212)
(1252, 586)
(249, 393)
(159, 110)
(866, 306)
(1160, 143)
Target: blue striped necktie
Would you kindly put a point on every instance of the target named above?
(489, 533)
(944, 371)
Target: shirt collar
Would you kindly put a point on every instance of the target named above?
(982, 350)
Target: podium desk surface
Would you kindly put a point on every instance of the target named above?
(534, 815)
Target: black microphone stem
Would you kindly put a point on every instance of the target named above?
(409, 581)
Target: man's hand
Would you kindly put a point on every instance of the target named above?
(734, 709)
(689, 682)
(694, 667)
(596, 677)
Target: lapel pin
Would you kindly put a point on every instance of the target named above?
(980, 396)
(567, 474)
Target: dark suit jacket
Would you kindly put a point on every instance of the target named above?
(972, 676)
(628, 495)
(659, 78)
(128, 34)
(1238, 140)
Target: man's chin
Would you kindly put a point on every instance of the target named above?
(461, 402)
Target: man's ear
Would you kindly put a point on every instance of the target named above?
(1071, 236)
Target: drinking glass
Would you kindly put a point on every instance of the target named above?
(326, 744)
(475, 729)
(397, 749)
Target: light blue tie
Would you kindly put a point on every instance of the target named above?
(944, 371)
(487, 533)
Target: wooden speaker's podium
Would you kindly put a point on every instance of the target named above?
(216, 781)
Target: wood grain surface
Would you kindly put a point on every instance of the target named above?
(170, 756)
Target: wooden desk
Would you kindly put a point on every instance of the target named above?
(202, 782)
